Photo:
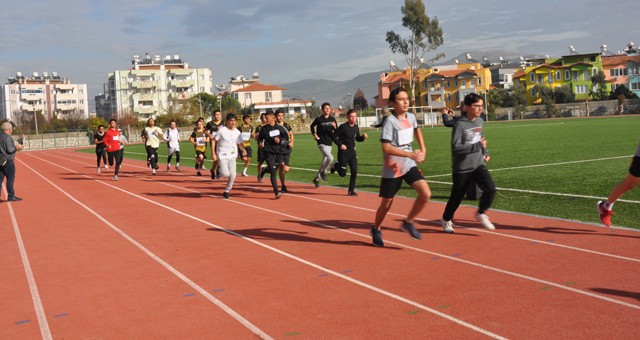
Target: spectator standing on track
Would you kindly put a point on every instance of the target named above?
(172, 136)
(398, 133)
(345, 138)
(8, 149)
(247, 133)
(151, 136)
(101, 151)
(286, 156)
(605, 208)
(322, 129)
(114, 143)
(199, 138)
(469, 155)
(276, 143)
(211, 129)
(261, 153)
(228, 141)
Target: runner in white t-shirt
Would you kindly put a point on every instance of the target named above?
(227, 142)
(172, 136)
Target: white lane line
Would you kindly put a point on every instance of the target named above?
(258, 243)
(475, 229)
(257, 331)
(45, 332)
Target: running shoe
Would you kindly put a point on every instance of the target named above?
(278, 195)
(485, 222)
(213, 174)
(447, 226)
(168, 167)
(333, 168)
(605, 214)
(98, 170)
(323, 176)
(316, 182)
(115, 177)
(153, 172)
(376, 237)
(199, 173)
(244, 174)
(284, 190)
(411, 229)
(177, 168)
(226, 195)
(352, 193)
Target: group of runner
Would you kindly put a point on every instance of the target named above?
(275, 139)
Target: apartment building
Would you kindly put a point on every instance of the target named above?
(152, 87)
(260, 98)
(48, 94)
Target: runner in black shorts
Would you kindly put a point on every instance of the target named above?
(276, 140)
(261, 153)
(345, 138)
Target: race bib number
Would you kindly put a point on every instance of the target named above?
(116, 137)
(246, 136)
(274, 133)
(201, 141)
(405, 136)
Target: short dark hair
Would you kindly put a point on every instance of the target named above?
(231, 116)
(100, 126)
(216, 110)
(394, 93)
(245, 116)
(269, 113)
(113, 120)
(351, 111)
(279, 111)
(472, 98)
(324, 104)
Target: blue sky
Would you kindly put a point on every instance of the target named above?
(287, 40)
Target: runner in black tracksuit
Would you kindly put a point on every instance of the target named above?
(345, 138)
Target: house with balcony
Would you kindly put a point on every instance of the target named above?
(388, 82)
(47, 94)
(152, 87)
(263, 97)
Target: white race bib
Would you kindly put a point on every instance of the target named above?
(274, 133)
(116, 137)
(201, 141)
(405, 136)
(246, 136)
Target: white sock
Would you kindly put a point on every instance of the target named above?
(608, 205)
(244, 171)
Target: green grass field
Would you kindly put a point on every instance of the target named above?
(553, 167)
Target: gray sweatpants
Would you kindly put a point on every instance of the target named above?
(327, 158)
(227, 168)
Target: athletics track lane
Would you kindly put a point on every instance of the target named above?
(464, 286)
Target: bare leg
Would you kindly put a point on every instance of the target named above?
(424, 195)
(381, 213)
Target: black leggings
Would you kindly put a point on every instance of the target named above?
(117, 155)
(177, 153)
(461, 183)
(101, 154)
(351, 158)
(152, 156)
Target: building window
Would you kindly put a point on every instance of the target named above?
(558, 75)
(479, 81)
(635, 86)
(455, 82)
(532, 77)
(582, 89)
(576, 75)
(448, 82)
(587, 75)
(268, 97)
(540, 78)
(533, 93)
(567, 74)
(247, 97)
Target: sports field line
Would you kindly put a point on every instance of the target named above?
(424, 220)
(257, 331)
(45, 332)
(502, 271)
(506, 272)
(276, 250)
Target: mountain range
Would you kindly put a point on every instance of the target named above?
(341, 92)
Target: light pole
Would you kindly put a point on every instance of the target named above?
(35, 115)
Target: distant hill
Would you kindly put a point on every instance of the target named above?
(334, 92)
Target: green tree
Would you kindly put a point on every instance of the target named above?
(546, 96)
(563, 94)
(359, 100)
(426, 36)
(94, 121)
(622, 90)
(495, 99)
(599, 87)
(519, 99)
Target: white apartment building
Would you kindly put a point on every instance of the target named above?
(153, 87)
(49, 95)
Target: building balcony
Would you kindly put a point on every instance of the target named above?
(29, 107)
(145, 109)
(143, 84)
(183, 83)
(143, 96)
(65, 107)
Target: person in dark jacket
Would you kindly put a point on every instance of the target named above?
(8, 149)
(345, 138)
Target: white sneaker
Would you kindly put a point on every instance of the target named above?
(484, 221)
(177, 168)
(98, 170)
(168, 168)
(115, 178)
(447, 226)
(153, 171)
(106, 167)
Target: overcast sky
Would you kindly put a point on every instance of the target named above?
(287, 40)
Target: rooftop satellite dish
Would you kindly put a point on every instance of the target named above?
(500, 58)
(255, 75)
(176, 57)
(19, 74)
(521, 58)
(468, 56)
(393, 65)
(546, 56)
(456, 61)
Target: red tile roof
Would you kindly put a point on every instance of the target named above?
(260, 87)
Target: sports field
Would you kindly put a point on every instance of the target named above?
(554, 167)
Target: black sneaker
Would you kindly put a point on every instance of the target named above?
(352, 193)
(14, 199)
(264, 171)
(284, 190)
(411, 229)
(316, 182)
(278, 195)
(199, 173)
(333, 168)
(323, 176)
(213, 174)
(376, 236)
(226, 195)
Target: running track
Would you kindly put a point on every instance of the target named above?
(166, 257)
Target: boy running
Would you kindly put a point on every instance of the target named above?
(172, 136)
(322, 129)
(398, 133)
(247, 133)
(261, 153)
(631, 181)
(286, 156)
(212, 128)
(199, 138)
(276, 143)
(151, 136)
(114, 144)
(101, 151)
(469, 156)
(345, 138)
(227, 142)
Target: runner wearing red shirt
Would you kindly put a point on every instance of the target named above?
(113, 141)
